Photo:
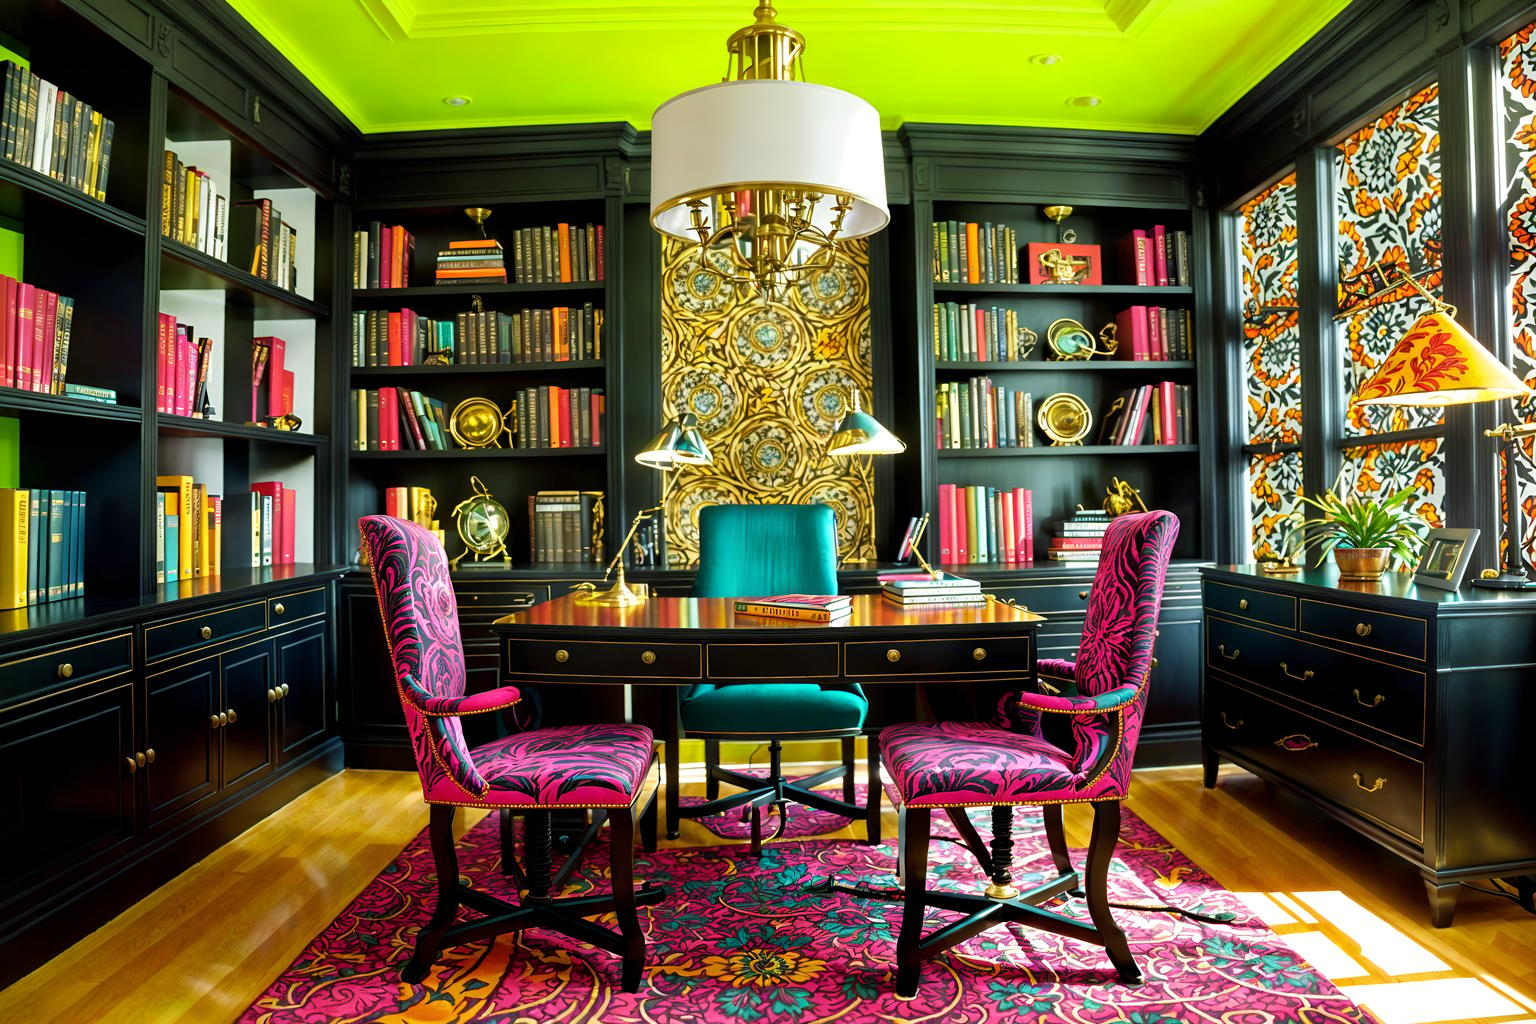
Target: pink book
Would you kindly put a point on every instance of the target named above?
(186, 375)
(1023, 509)
(386, 258)
(47, 325)
(1160, 254)
(597, 420)
(946, 522)
(962, 548)
(7, 331)
(275, 376)
(162, 362)
(407, 337)
(389, 420)
(1170, 413)
(1155, 344)
(1007, 526)
(26, 313)
(1131, 329)
(979, 320)
(290, 523)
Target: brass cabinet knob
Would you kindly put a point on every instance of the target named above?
(141, 759)
(223, 717)
(1303, 677)
(213, 721)
(281, 689)
(233, 717)
(893, 655)
(1362, 629)
(649, 657)
(277, 609)
(1082, 595)
(1242, 603)
(562, 655)
(1360, 783)
(271, 695)
(1369, 703)
(980, 654)
(1229, 723)
(206, 632)
(1221, 649)
(149, 755)
(65, 670)
(132, 765)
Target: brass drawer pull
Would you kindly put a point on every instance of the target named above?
(649, 657)
(1082, 595)
(206, 632)
(149, 755)
(1362, 629)
(213, 720)
(223, 717)
(980, 654)
(141, 759)
(65, 670)
(562, 655)
(132, 765)
(277, 609)
(1373, 787)
(1221, 649)
(233, 717)
(1368, 703)
(1296, 742)
(271, 695)
(282, 692)
(1234, 726)
(1308, 674)
(1242, 604)
(893, 655)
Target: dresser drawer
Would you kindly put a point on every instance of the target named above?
(1348, 770)
(168, 638)
(306, 604)
(1356, 687)
(1258, 605)
(1405, 636)
(933, 659)
(67, 664)
(772, 661)
(598, 659)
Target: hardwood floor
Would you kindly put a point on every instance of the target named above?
(202, 947)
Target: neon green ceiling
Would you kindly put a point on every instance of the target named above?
(1157, 65)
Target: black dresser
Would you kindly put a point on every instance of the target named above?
(1404, 712)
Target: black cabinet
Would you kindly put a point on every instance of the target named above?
(182, 727)
(301, 699)
(245, 677)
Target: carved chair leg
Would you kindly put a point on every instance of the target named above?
(848, 759)
(876, 791)
(711, 766)
(1056, 838)
(1002, 887)
(913, 842)
(445, 861)
(622, 874)
(1101, 850)
(538, 835)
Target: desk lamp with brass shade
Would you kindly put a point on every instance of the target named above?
(859, 433)
(679, 444)
(1438, 363)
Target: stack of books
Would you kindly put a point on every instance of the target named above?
(192, 209)
(809, 607)
(474, 261)
(35, 329)
(181, 369)
(274, 243)
(475, 337)
(1149, 334)
(42, 545)
(1079, 539)
(397, 419)
(54, 133)
(920, 590)
(556, 417)
(189, 529)
(981, 414)
(1156, 256)
(381, 256)
(562, 252)
(274, 520)
(979, 524)
(566, 527)
(964, 332)
(965, 252)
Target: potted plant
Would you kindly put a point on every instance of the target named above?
(1363, 533)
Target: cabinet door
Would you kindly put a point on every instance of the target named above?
(304, 702)
(66, 792)
(245, 677)
(181, 715)
(369, 701)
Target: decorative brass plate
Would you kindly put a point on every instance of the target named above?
(1065, 418)
(1069, 339)
(477, 423)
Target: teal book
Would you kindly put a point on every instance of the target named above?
(10, 452)
(172, 547)
(36, 546)
(58, 505)
(77, 545)
(159, 537)
(66, 542)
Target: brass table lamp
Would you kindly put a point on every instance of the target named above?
(679, 444)
(859, 433)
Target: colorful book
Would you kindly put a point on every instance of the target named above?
(808, 607)
(15, 535)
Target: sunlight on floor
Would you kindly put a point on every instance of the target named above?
(1420, 1002)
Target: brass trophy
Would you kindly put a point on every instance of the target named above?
(478, 423)
(1058, 266)
(483, 525)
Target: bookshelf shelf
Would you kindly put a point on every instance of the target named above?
(1067, 450)
(185, 267)
(20, 186)
(472, 369)
(191, 426)
(1111, 290)
(375, 296)
(481, 453)
(235, 580)
(12, 400)
(1071, 366)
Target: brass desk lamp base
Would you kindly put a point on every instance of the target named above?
(620, 595)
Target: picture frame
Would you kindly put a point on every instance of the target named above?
(1443, 561)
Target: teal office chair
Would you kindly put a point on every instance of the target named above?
(756, 551)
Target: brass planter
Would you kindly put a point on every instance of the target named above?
(1361, 563)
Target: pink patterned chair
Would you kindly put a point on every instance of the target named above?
(950, 766)
(592, 767)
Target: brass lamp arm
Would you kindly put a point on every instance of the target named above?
(640, 517)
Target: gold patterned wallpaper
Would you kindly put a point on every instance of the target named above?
(768, 382)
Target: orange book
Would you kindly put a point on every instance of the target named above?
(399, 278)
(475, 243)
(562, 317)
(565, 252)
(973, 253)
(556, 415)
(476, 272)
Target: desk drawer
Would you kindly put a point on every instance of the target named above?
(1353, 772)
(306, 604)
(1356, 687)
(932, 659)
(67, 664)
(772, 661)
(163, 640)
(1258, 605)
(599, 659)
(1405, 636)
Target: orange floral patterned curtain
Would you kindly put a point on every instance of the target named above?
(1517, 65)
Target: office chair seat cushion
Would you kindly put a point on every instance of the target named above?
(773, 709)
(563, 766)
(963, 764)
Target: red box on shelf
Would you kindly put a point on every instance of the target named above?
(1071, 255)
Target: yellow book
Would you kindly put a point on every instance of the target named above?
(215, 517)
(183, 488)
(202, 550)
(13, 547)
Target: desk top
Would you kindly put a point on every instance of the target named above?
(870, 611)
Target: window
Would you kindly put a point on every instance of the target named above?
(1517, 65)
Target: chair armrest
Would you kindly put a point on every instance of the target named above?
(1110, 700)
(469, 704)
(1056, 668)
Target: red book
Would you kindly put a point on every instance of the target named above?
(1168, 407)
(597, 420)
(1131, 329)
(392, 340)
(44, 310)
(163, 362)
(1076, 543)
(980, 333)
(1135, 267)
(7, 331)
(1155, 343)
(1024, 508)
(290, 520)
(276, 348)
(389, 420)
(392, 504)
(567, 434)
(285, 391)
(407, 337)
(186, 375)
(962, 549)
(1009, 541)
(386, 252)
(1160, 254)
(946, 521)
(259, 356)
(600, 257)
(26, 314)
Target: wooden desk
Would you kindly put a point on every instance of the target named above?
(678, 641)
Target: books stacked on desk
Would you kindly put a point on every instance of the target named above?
(1079, 539)
(921, 590)
(474, 261)
(811, 607)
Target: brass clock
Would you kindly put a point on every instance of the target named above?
(1065, 418)
(483, 525)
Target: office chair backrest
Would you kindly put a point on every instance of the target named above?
(760, 550)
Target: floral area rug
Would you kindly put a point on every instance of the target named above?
(741, 940)
(803, 821)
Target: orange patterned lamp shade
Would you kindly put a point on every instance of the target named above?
(1439, 363)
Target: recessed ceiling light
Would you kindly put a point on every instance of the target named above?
(1046, 59)
(456, 101)
(1084, 101)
